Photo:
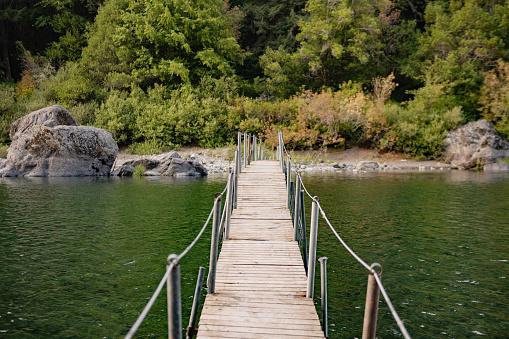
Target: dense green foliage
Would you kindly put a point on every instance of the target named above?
(396, 75)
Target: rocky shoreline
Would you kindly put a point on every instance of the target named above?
(50, 142)
(354, 160)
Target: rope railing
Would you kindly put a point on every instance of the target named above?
(173, 261)
(249, 148)
(375, 285)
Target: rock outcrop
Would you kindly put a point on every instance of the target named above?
(502, 167)
(168, 164)
(475, 144)
(49, 142)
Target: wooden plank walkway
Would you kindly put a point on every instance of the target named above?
(260, 281)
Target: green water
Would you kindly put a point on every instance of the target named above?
(80, 257)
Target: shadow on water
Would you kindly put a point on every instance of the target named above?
(81, 256)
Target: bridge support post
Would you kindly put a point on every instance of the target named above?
(191, 331)
(245, 149)
(281, 152)
(255, 148)
(371, 310)
(214, 241)
(238, 163)
(313, 233)
(228, 205)
(248, 154)
(289, 181)
(174, 300)
(236, 171)
(303, 226)
(296, 213)
(323, 281)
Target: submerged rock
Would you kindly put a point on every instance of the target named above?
(475, 144)
(49, 142)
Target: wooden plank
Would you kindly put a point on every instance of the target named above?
(261, 282)
(260, 330)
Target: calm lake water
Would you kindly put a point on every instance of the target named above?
(80, 257)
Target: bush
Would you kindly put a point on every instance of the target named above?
(69, 87)
(420, 126)
(85, 113)
(495, 97)
(139, 171)
(184, 116)
(147, 147)
(118, 114)
(13, 107)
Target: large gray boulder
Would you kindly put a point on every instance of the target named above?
(474, 145)
(49, 116)
(169, 164)
(43, 145)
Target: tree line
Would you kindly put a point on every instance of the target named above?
(395, 75)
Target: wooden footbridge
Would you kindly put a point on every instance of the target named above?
(261, 281)
(258, 285)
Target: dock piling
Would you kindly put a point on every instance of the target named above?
(174, 300)
(191, 330)
(371, 310)
(214, 243)
(323, 281)
(313, 233)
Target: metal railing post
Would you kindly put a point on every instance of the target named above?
(292, 196)
(255, 148)
(323, 281)
(245, 149)
(303, 227)
(281, 151)
(236, 178)
(191, 330)
(296, 213)
(371, 310)
(312, 249)
(248, 155)
(229, 201)
(174, 300)
(289, 179)
(214, 243)
(238, 163)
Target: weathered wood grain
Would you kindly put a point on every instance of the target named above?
(261, 281)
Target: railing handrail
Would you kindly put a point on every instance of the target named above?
(173, 261)
(252, 151)
(286, 166)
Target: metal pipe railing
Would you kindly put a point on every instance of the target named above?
(313, 233)
(323, 281)
(214, 244)
(174, 299)
(375, 286)
(371, 309)
(191, 330)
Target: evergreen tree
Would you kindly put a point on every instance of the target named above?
(144, 42)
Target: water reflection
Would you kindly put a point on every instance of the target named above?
(435, 234)
(80, 256)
